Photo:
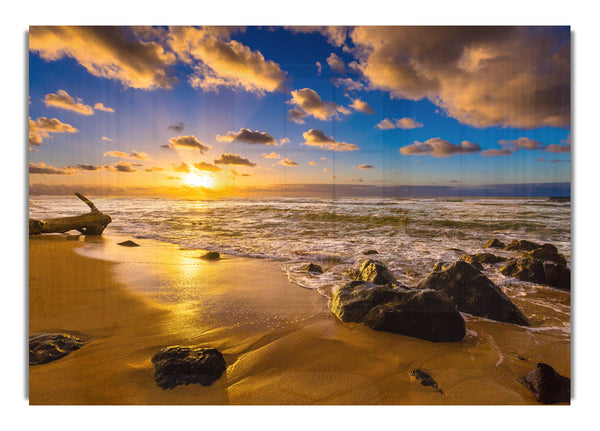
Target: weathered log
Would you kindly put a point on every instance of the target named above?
(92, 223)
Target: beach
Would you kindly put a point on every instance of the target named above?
(281, 343)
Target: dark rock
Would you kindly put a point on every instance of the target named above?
(311, 267)
(521, 245)
(373, 271)
(422, 314)
(494, 243)
(547, 252)
(180, 365)
(472, 292)
(440, 266)
(538, 271)
(547, 386)
(369, 252)
(128, 243)
(354, 299)
(424, 378)
(482, 258)
(44, 348)
(211, 255)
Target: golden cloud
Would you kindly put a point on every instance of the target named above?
(133, 155)
(233, 159)
(218, 63)
(271, 155)
(362, 106)
(116, 53)
(43, 127)
(101, 107)
(336, 63)
(206, 167)
(287, 162)
(437, 147)
(249, 137)
(402, 123)
(482, 76)
(316, 138)
(308, 102)
(42, 168)
(189, 142)
(63, 100)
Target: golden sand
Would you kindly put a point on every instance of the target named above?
(280, 342)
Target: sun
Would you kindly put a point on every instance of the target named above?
(199, 180)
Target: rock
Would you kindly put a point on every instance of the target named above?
(494, 243)
(128, 243)
(521, 245)
(421, 314)
(180, 365)
(211, 255)
(368, 252)
(440, 266)
(538, 271)
(472, 292)
(547, 386)
(48, 347)
(373, 271)
(547, 252)
(354, 299)
(311, 267)
(424, 378)
(482, 258)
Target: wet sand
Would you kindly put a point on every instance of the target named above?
(281, 343)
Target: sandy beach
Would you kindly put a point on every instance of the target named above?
(281, 343)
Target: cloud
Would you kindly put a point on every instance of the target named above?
(219, 63)
(402, 123)
(133, 155)
(154, 169)
(183, 167)
(123, 167)
(43, 127)
(271, 155)
(497, 152)
(297, 115)
(521, 144)
(187, 142)
(117, 53)
(555, 148)
(287, 162)
(325, 159)
(248, 137)
(312, 163)
(63, 100)
(101, 107)
(482, 76)
(233, 159)
(206, 167)
(356, 180)
(177, 127)
(316, 138)
(171, 177)
(359, 105)
(104, 138)
(284, 141)
(336, 63)
(308, 102)
(454, 181)
(439, 148)
(336, 35)
(42, 168)
(559, 161)
(319, 68)
(348, 83)
(83, 167)
(364, 166)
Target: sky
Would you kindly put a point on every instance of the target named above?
(210, 111)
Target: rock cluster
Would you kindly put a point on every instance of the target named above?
(542, 265)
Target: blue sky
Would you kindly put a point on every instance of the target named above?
(453, 107)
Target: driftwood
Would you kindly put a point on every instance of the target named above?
(92, 223)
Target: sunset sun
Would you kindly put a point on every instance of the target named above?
(198, 179)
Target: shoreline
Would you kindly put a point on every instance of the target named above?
(281, 343)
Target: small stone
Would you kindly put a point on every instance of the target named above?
(494, 243)
(311, 267)
(424, 378)
(369, 252)
(128, 243)
(211, 255)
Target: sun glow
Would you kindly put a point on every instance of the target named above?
(199, 180)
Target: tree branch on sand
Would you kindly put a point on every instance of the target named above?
(92, 223)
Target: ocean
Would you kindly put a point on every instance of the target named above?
(410, 235)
